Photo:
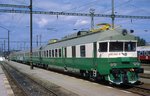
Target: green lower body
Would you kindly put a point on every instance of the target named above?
(125, 71)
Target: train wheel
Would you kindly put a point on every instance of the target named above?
(84, 74)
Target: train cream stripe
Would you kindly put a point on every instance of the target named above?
(116, 54)
(8, 88)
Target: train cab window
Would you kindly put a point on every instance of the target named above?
(73, 51)
(116, 46)
(103, 47)
(130, 46)
(82, 51)
(55, 52)
(59, 52)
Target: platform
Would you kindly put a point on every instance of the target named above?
(75, 85)
(5, 89)
(146, 71)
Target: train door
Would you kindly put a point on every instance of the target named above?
(103, 50)
(64, 56)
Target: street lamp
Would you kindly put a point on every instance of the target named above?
(7, 38)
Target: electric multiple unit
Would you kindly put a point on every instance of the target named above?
(105, 54)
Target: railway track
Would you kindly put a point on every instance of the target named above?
(137, 89)
(25, 86)
(18, 91)
(143, 89)
(145, 76)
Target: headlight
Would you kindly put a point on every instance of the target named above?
(113, 64)
(136, 63)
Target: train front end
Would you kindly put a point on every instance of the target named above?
(119, 63)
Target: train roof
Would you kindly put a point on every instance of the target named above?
(143, 48)
(89, 37)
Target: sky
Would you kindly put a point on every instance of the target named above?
(53, 27)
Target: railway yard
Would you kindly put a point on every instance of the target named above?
(41, 82)
(72, 51)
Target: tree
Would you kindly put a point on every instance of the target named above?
(141, 41)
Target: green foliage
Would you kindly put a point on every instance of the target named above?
(141, 41)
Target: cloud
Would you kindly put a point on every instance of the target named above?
(81, 22)
(42, 22)
(52, 5)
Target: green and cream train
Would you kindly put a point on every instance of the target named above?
(106, 54)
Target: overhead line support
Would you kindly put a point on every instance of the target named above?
(14, 6)
(71, 14)
(31, 63)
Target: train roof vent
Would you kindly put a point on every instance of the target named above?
(52, 41)
(82, 33)
(79, 33)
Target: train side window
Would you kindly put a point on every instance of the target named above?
(141, 53)
(130, 46)
(39, 53)
(44, 54)
(73, 51)
(65, 52)
(59, 52)
(138, 53)
(49, 53)
(82, 51)
(146, 53)
(103, 47)
(52, 53)
(55, 52)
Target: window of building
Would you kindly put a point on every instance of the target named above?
(103, 47)
(82, 51)
(73, 51)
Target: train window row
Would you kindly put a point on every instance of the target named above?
(58, 52)
(143, 53)
(117, 46)
(69, 51)
(52, 53)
